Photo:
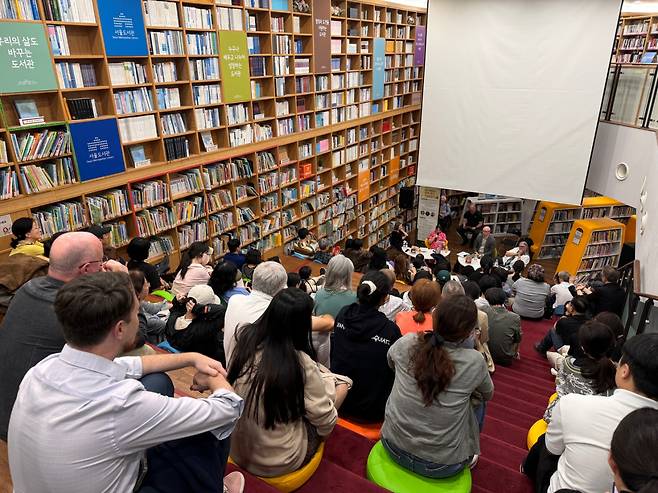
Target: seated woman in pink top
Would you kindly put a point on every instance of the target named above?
(437, 240)
(424, 296)
(193, 269)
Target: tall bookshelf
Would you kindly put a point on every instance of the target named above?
(636, 36)
(292, 151)
(553, 222)
(502, 214)
(592, 245)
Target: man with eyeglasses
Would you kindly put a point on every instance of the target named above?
(30, 330)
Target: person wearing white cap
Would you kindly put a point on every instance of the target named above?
(196, 323)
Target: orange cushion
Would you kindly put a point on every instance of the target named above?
(371, 431)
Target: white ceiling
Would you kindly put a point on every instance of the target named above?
(639, 7)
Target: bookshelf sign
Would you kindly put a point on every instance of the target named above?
(235, 66)
(419, 47)
(97, 148)
(394, 177)
(123, 27)
(378, 64)
(25, 55)
(321, 36)
(363, 183)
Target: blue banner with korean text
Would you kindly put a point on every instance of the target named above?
(378, 65)
(97, 148)
(123, 27)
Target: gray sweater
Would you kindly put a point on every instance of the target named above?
(30, 331)
(447, 431)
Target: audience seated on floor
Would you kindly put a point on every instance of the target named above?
(436, 408)
(610, 297)
(16, 271)
(590, 371)
(305, 245)
(309, 284)
(480, 337)
(138, 251)
(613, 321)
(530, 294)
(234, 255)
(562, 290)
(633, 459)
(196, 323)
(269, 278)
(565, 331)
(152, 316)
(504, 328)
(323, 255)
(393, 304)
(226, 281)
(396, 242)
(290, 400)
(404, 270)
(251, 261)
(487, 263)
(361, 339)
(577, 443)
(193, 268)
(30, 331)
(335, 293)
(421, 274)
(27, 237)
(184, 440)
(424, 295)
(517, 269)
(357, 254)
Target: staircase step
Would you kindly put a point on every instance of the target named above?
(348, 450)
(497, 477)
(528, 396)
(519, 417)
(501, 452)
(330, 478)
(505, 431)
(533, 385)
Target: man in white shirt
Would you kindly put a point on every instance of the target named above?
(581, 427)
(83, 421)
(561, 289)
(269, 278)
(517, 253)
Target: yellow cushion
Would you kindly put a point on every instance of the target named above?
(552, 398)
(370, 430)
(294, 480)
(535, 431)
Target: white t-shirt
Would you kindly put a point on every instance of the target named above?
(562, 293)
(393, 306)
(580, 432)
(242, 310)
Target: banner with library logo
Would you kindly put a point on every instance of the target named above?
(97, 148)
(123, 27)
(25, 56)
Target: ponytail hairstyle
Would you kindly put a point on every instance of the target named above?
(197, 249)
(517, 267)
(455, 317)
(373, 289)
(597, 341)
(633, 450)
(424, 295)
(20, 228)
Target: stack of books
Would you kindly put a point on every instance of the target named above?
(73, 75)
(82, 108)
(39, 145)
(177, 148)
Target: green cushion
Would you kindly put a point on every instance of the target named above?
(164, 294)
(385, 472)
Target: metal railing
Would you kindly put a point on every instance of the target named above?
(630, 95)
(640, 311)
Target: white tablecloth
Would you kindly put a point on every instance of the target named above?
(466, 258)
(427, 252)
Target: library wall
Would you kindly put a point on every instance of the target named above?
(192, 120)
(515, 113)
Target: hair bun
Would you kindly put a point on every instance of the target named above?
(371, 286)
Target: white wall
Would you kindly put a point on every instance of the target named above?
(646, 243)
(515, 89)
(616, 144)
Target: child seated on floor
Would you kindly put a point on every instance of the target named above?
(305, 245)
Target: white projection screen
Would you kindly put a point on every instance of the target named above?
(512, 94)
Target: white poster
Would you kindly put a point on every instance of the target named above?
(5, 225)
(429, 200)
(514, 89)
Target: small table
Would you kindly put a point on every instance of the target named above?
(426, 252)
(466, 258)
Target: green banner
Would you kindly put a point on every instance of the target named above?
(234, 61)
(25, 58)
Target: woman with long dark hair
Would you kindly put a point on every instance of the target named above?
(633, 457)
(224, 281)
(436, 406)
(589, 371)
(289, 403)
(27, 237)
(361, 338)
(193, 268)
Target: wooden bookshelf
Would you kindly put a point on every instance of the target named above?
(592, 245)
(502, 215)
(636, 35)
(333, 112)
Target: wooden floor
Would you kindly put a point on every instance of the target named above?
(183, 378)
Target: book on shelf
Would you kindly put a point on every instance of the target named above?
(302, 65)
(39, 145)
(81, 108)
(40, 177)
(4, 157)
(277, 24)
(108, 205)
(138, 156)
(63, 216)
(206, 94)
(208, 142)
(69, 10)
(123, 73)
(166, 42)
(165, 72)
(133, 101)
(207, 118)
(161, 14)
(229, 19)
(252, 22)
(168, 97)
(28, 112)
(177, 148)
(204, 68)
(197, 18)
(253, 45)
(8, 183)
(173, 123)
(257, 66)
(201, 43)
(74, 75)
(138, 128)
(19, 9)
